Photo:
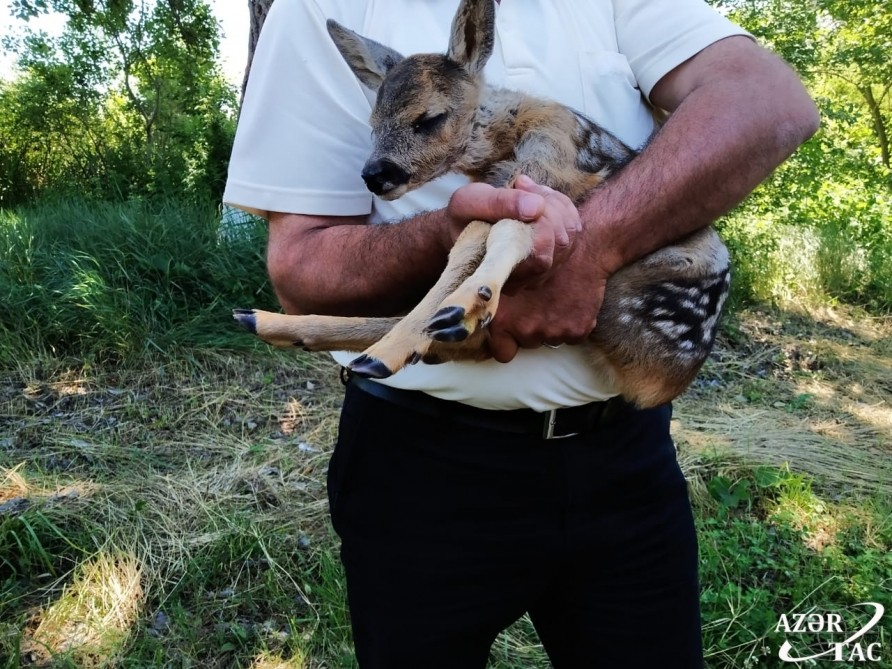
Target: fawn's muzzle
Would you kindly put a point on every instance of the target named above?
(382, 176)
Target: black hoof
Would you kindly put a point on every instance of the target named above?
(370, 368)
(453, 334)
(246, 319)
(445, 318)
(485, 293)
(413, 359)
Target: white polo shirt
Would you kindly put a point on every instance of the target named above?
(304, 135)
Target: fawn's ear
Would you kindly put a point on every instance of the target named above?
(473, 32)
(369, 60)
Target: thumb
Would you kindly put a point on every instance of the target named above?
(503, 346)
(478, 201)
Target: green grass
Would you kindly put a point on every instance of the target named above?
(780, 547)
(149, 448)
(116, 280)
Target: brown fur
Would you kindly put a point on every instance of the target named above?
(435, 114)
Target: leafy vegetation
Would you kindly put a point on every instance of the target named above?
(775, 546)
(129, 101)
(822, 224)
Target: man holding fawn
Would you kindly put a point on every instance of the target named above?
(456, 514)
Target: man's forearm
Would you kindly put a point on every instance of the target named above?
(352, 269)
(723, 138)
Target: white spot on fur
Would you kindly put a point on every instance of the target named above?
(690, 306)
(671, 328)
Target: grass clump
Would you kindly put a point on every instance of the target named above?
(114, 280)
(93, 617)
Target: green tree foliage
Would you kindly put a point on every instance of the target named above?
(842, 46)
(128, 101)
(823, 223)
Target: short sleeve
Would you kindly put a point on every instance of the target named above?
(303, 132)
(658, 35)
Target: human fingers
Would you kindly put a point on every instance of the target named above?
(479, 201)
(534, 269)
(560, 202)
(503, 346)
(554, 234)
(561, 310)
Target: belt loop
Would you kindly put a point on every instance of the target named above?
(548, 424)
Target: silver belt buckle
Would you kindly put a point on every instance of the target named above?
(549, 424)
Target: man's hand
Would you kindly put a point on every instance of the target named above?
(563, 308)
(554, 219)
(555, 232)
(556, 293)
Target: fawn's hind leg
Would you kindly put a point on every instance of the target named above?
(659, 317)
(407, 342)
(474, 303)
(315, 333)
(340, 333)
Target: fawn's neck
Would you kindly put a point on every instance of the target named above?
(497, 128)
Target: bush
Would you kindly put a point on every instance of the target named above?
(837, 245)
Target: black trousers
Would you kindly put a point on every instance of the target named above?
(450, 533)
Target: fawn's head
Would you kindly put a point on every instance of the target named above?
(424, 113)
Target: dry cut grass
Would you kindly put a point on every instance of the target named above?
(95, 614)
(177, 511)
(808, 391)
(199, 482)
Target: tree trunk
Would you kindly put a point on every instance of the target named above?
(879, 122)
(258, 10)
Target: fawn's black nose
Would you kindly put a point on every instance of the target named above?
(382, 176)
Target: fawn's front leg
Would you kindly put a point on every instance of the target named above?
(474, 303)
(407, 342)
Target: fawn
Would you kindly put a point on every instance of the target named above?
(435, 114)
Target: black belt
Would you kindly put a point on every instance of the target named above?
(554, 424)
